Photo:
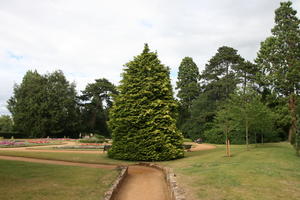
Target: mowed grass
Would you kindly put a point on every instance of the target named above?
(268, 172)
(33, 181)
(67, 156)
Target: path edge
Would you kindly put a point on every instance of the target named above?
(175, 191)
(111, 193)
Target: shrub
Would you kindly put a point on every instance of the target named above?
(92, 140)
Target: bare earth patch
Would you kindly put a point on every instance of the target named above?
(200, 147)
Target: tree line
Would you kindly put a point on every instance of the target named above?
(49, 105)
(242, 101)
(231, 101)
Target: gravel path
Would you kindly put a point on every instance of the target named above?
(143, 183)
(201, 147)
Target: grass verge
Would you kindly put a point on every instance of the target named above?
(268, 172)
(22, 180)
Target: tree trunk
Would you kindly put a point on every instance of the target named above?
(292, 108)
(226, 133)
(255, 139)
(228, 142)
(227, 84)
(245, 84)
(297, 144)
(247, 138)
(262, 139)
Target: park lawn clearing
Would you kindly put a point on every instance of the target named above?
(34, 181)
(268, 172)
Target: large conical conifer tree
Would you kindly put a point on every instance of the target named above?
(142, 118)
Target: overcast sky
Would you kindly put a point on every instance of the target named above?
(93, 39)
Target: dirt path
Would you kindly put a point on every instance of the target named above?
(144, 183)
(57, 162)
(201, 147)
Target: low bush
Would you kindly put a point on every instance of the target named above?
(95, 139)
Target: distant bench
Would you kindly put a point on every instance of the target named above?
(187, 147)
(106, 147)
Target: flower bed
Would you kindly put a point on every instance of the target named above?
(25, 143)
(11, 143)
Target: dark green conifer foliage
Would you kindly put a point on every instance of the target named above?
(219, 78)
(187, 84)
(279, 59)
(142, 118)
(188, 90)
(96, 100)
(45, 105)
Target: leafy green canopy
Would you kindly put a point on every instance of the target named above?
(6, 123)
(45, 105)
(241, 116)
(142, 118)
(223, 72)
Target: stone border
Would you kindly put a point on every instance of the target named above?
(175, 191)
(110, 194)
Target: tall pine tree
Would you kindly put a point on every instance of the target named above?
(96, 100)
(187, 84)
(220, 75)
(142, 118)
(279, 59)
(188, 90)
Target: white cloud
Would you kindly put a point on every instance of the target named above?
(95, 38)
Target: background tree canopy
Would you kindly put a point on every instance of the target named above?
(45, 105)
(96, 100)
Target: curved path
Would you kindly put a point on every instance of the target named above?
(58, 162)
(144, 183)
(201, 147)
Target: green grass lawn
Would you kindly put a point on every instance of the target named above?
(74, 157)
(32, 181)
(268, 172)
